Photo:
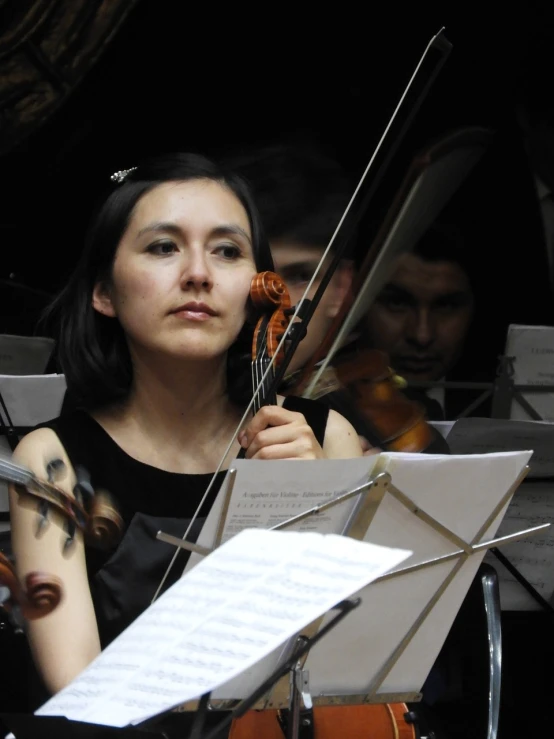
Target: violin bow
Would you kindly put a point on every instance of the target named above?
(431, 180)
(421, 81)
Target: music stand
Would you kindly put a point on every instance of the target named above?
(415, 516)
(25, 401)
(443, 583)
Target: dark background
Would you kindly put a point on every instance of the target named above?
(217, 79)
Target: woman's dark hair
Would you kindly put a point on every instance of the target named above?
(300, 190)
(92, 350)
(443, 242)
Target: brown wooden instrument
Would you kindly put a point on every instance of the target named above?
(399, 422)
(379, 721)
(93, 512)
(434, 175)
(270, 297)
(38, 597)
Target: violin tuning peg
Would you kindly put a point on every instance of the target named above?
(55, 469)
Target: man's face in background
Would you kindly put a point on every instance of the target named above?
(421, 317)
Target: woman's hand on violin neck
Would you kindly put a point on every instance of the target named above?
(277, 433)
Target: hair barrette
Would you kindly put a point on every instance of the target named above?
(120, 176)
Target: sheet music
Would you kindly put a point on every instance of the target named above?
(223, 616)
(532, 505)
(460, 492)
(482, 435)
(266, 495)
(24, 355)
(533, 349)
(32, 399)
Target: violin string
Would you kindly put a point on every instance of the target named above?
(21, 475)
(323, 365)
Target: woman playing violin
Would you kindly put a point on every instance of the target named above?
(155, 334)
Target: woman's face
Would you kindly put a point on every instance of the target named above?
(182, 272)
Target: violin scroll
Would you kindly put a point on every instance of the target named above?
(104, 525)
(40, 595)
(269, 294)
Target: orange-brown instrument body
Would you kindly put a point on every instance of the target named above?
(37, 598)
(379, 721)
(398, 421)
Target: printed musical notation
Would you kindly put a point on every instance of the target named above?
(532, 505)
(226, 614)
(532, 348)
(261, 503)
(487, 435)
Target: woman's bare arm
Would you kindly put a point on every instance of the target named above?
(66, 641)
(341, 440)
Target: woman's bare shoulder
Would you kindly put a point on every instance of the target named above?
(341, 439)
(38, 450)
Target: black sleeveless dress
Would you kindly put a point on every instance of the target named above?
(124, 581)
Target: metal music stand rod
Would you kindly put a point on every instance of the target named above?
(303, 646)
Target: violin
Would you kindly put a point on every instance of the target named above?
(38, 597)
(92, 512)
(270, 296)
(364, 388)
(378, 721)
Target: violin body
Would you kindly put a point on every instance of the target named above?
(365, 390)
(399, 422)
(378, 721)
